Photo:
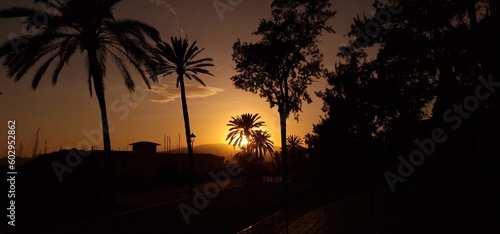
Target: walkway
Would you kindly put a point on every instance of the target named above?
(352, 215)
(411, 210)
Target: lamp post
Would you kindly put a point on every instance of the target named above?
(192, 137)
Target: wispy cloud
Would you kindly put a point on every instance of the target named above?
(179, 28)
(171, 9)
(167, 92)
(163, 3)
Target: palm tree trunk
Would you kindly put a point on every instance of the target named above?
(96, 72)
(188, 131)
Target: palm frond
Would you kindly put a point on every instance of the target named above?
(179, 57)
(199, 70)
(41, 71)
(199, 61)
(199, 80)
(192, 52)
(129, 83)
(138, 29)
(66, 52)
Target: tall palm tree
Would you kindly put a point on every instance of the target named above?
(242, 127)
(180, 57)
(85, 26)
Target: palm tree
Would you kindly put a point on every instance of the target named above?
(88, 27)
(295, 147)
(296, 151)
(261, 143)
(294, 144)
(179, 57)
(242, 127)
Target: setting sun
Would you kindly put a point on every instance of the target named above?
(244, 141)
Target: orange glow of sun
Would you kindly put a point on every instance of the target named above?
(244, 141)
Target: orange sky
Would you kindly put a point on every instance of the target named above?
(68, 117)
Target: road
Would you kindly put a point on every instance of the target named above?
(157, 211)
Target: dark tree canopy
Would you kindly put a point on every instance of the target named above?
(429, 53)
(430, 58)
(286, 60)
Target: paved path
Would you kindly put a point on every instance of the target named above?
(412, 210)
(352, 215)
(160, 196)
(228, 212)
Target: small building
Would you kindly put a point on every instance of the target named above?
(144, 148)
(144, 162)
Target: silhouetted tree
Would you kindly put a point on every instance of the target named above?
(421, 53)
(297, 153)
(262, 144)
(428, 58)
(242, 127)
(261, 141)
(431, 52)
(87, 26)
(311, 140)
(180, 57)
(294, 144)
(286, 60)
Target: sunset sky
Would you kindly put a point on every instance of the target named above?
(68, 117)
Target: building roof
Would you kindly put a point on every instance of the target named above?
(144, 143)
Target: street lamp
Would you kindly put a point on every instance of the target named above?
(192, 137)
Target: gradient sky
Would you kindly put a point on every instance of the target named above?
(68, 117)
